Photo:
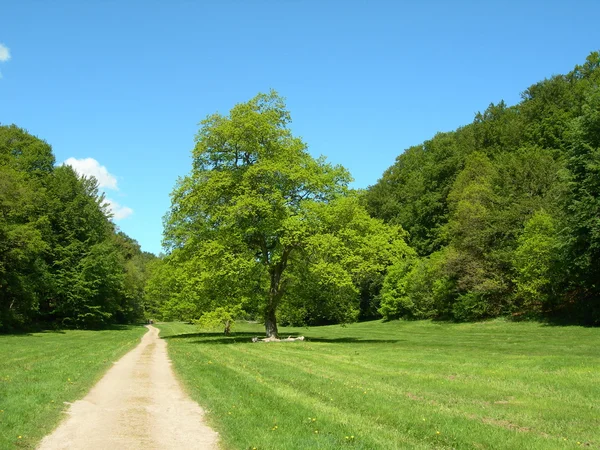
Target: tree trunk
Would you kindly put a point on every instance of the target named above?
(276, 290)
(271, 322)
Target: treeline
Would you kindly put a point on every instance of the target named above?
(504, 213)
(63, 263)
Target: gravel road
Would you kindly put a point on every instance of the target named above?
(138, 404)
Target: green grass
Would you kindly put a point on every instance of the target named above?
(422, 385)
(41, 371)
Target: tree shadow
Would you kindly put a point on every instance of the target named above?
(246, 338)
(17, 333)
(569, 321)
(210, 335)
(33, 331)
(123, 327)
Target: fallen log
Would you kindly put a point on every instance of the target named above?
(274, 339)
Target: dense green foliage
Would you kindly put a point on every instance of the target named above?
(503, 212)
(62, 261)
(262, 225)
(394, 385)
(41, 372)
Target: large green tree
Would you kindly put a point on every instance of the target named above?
(252, 223)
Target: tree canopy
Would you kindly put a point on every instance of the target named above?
(261, 223)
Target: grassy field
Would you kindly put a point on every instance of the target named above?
(41, 371)
(422, 385)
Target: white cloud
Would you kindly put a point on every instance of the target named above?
(119, 212)
(4, 53)
(91, 167)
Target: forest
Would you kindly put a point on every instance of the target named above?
(499, 218)
(503, 213)
(63, 263)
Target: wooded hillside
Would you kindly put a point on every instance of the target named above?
(504, 213)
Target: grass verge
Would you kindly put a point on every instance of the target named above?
(40, 372)
(421, 385)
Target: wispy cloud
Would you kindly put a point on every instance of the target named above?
(91, 167)
(119, 212)
(4, 53)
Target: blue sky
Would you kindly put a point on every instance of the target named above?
(126, 82)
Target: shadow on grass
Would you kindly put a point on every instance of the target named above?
(353, 340)
(36, 332)
(246, 337)
(569, 322)
(210, 335)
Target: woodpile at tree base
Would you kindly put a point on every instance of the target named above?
(274, 339)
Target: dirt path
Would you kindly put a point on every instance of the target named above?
(138, 404)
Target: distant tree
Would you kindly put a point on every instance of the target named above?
(22, 249)
(221, 317)
(480, 288)
(25, 153)
(535, 261)
(178, 289)
(78, 230)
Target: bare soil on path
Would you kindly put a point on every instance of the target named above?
(138, 404)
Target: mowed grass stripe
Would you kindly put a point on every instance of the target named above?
(317, 382)
(306, 388)
(245, 386)
(493, 395)
(493, 387)
(387, 414)
(41, 371)
(293, 382)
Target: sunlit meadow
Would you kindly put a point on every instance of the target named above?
(422, 385)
